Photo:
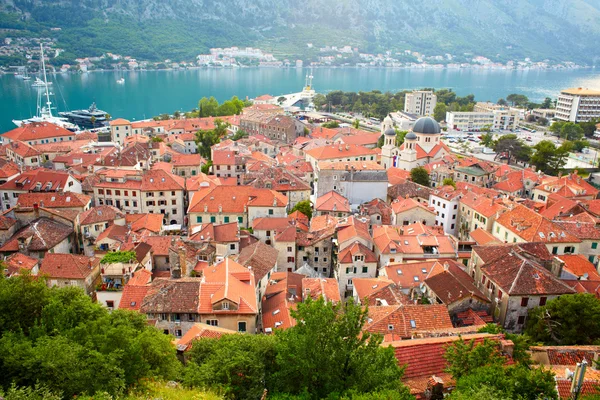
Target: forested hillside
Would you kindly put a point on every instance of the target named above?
(179, 29)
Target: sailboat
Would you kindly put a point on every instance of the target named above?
(44, 111)
(121, 80)
(26, 77)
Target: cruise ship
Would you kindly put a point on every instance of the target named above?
(90, 118)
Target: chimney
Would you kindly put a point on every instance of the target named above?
(507, 347)
(435, 388)
(176, 272)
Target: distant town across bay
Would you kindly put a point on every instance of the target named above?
(145, 94)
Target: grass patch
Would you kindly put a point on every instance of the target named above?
(164, 391)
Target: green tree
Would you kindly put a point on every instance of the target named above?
(331, 124)
(449, 182)
(542, 121)
(579, 145)
(464, 357)
(487, 139)
(556, 127)
(239, 366)
(205, 169)
(509, 144)
(475, 366)
(589, 127)
(549, 159)
(205, 140)
(74, 346)
(439, 112)
(571, 131)
(304, 207)
(420, 175)
(307, 363)
(513, 382)
(177, 114)
(518, 100)
(547, 103)
(39, 392)
(240, 134)
(400, 137)
(227, 108)
(208, 107)
(568, 320)
(501, 102)
(319, 100)
(356, 124)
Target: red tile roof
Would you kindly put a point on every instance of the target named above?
(321, 287)
(532, 227)
(54, 200)
(133, 296)
(578, 265)
(200, 331)
(589, 388)
(453, 284)
(341, 151)
(377, 207)
(223, 233)
(154, 180)
(346, 256)
(332, 201)
(517, 275)
(160, 244)
(405, 320)
(365, 287)
(19, 261)
(425, 357)
(41, 234)
(47, 180)
(100, 214)
(235, 199)
(260, 257)
(68, 266)
(140, 222)
(37, 131)
(401, 205)
(483, 237)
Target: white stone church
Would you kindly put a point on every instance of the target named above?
(422, 145)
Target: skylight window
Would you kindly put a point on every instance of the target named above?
(416, 278)
(413, 324)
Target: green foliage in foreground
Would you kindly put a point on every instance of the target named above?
(568, 320)
(59, 339)
(420, 175)
(325, 356)
(480, 370)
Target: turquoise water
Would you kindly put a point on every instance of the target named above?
(149, 93)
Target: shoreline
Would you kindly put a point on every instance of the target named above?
(416, 68)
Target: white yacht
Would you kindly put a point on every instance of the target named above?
(44, 110)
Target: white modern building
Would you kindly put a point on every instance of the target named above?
(420, 102)
(578, 105)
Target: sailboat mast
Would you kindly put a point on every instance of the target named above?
(45, 81)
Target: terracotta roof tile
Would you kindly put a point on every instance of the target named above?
(261, 257)
(19, 261)
(234, 199)
(42, 234)
(321, 287)
(68, 266)
(532, 227)
(37, 131)
(133, 297)
(340, 151)
(100, 214)
(332, 201)
(404, 320)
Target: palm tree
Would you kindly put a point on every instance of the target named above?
(93, 121)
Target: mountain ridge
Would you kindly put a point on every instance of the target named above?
(558, 30)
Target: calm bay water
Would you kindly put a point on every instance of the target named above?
(149, 93)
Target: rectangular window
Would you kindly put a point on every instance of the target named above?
(240, 220)
(543, 301)
(226, 219)
(521, 320)
(555, 250)
(199, 220)
(594, 245)
(270, 211)
(212, 322)
(365, 270)
(232, 246)
(241, 326)
(213, 220)
(290, 259)
(524, 301)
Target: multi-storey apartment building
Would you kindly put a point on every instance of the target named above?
(420, 102)
(578, 105)
(155, 192)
